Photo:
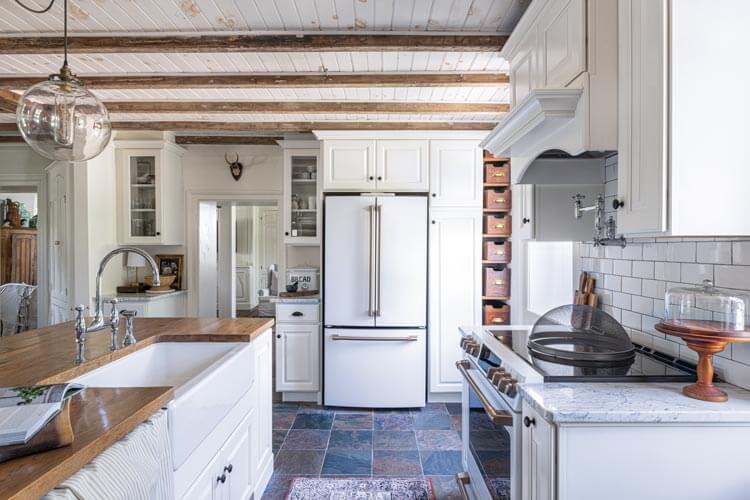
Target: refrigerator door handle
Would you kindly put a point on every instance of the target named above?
(370, 308)
(407, 338)
(379, 247)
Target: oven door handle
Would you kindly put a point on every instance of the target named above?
(498, 417)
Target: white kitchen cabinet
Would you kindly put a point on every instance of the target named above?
(375, 165)
(523, 214)
(348, 165)
(665, 179)
(235, 463)
(402, 165)
(302, 221)
(455, 294)
(151, 205)
(538, 466)
(455, 173)
(297, 357)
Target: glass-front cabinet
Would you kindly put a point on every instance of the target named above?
(151, 197)
(302, 221)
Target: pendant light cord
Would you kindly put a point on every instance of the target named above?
(36, 11)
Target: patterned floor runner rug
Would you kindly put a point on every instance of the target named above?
(361, 489)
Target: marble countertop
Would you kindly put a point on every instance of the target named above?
(142, 297)
(308, 299)
(572, 403)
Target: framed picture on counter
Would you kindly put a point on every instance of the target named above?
(171, 265)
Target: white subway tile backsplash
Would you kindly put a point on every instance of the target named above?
(648, 324)
(631, 285)
(741, 352)
(631, 319)
(681, 251)
(658, 308)
(643, 305)
(622, 267)
(632, 252)
(741, 253)
(643, 269)
(696, 273)
(714, 252)
(732, 276)
(605, 266)
(613, 252)
(655, 251)
(667, 271)
(587, 264)
(666, 346)
(621, 300)
(654, 289)
(613, 283)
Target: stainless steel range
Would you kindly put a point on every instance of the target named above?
(498, 359)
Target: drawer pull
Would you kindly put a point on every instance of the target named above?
(297, 314)
(497, 417)
(462, 478)
(499, 200)
(499, 174)
(499, 226)
(499, 282)
(528, 422)
(498, 320)
(499, 252)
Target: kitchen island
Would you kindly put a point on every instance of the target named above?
(103, 415)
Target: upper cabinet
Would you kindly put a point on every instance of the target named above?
(302, 221)
(375, 165)
(151, 206)
(681, 142)
(562, 42)
(455, 174)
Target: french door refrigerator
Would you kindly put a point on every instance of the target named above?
(375, 300)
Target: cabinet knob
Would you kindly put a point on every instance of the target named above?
(158, 233)
(380, 177)
(434, 195)
(286, 233)
(617, 204)
(433, 222)
(278, 336)
(525, 220)
(372, 178)
(228, 468)
(222, 479)
(528, 422)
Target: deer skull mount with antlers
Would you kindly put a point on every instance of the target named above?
(235, 167)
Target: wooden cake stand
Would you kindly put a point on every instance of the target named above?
(706, 338)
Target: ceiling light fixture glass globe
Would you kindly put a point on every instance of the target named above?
(61, 120)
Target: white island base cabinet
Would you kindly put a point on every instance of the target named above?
(626, 461)
(238, 466)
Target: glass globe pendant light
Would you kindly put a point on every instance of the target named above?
(59, 118)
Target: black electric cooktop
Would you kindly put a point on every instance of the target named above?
(647, 365)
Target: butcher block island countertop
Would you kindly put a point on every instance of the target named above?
(100, 416)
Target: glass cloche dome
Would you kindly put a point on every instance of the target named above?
(706, 308)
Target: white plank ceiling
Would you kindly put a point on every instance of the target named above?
(120, 16)
(152, 17)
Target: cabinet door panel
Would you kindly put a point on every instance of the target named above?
(261, 434)
(523, 69)
(236, 463)
(455, 174)
(297, 355)
(642, 112)
(538, 462)
(455, 289)
(348, 165)
(402, 165)
(562, 37)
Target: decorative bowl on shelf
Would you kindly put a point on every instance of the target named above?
(165, 285)
(707, 319)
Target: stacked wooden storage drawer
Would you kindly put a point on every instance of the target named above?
(496, 254)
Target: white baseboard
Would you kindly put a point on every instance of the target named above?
(301, 397)
(444, 397)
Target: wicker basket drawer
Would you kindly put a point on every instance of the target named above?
(497, 225)
(497, 251)
(497, 200)
(496, 315)
(496, 282)
(497, 174)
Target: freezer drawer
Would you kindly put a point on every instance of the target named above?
(375, 368)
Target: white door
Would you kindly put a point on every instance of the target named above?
(242, 282)
(375, 368)
(455, 174)
(227, 260)
(266, 242)
(349, 264)
(208, 258)
(402, 165)
(455, 290)
(59, 269)
(297, 357)
(642, 116)
(401, 281)
(348, 165)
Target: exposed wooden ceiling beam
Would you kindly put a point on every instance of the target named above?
(300, 126)
(5, 139)
(253, 43)
(285, 126)
(225, 139)
(301, 107)
(8, 101)
(260, 80)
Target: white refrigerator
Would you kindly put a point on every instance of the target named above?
(375, 300)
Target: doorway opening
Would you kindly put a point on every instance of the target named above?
(19, 258)
(238, 259)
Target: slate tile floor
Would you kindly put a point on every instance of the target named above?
(318, 441)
